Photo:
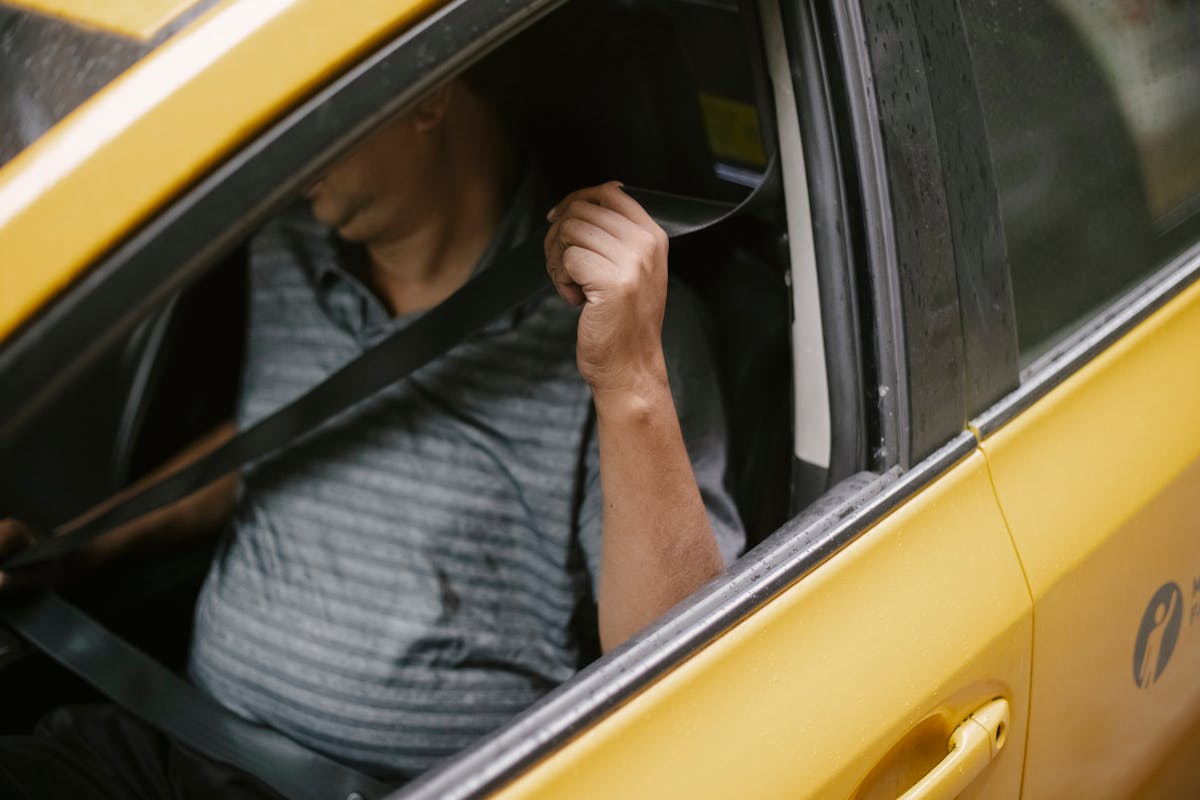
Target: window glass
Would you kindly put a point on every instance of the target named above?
(1093, 118)
(51, 65)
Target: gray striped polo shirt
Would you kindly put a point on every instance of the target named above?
(409, 577)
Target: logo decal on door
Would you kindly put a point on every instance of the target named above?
(1157, 636)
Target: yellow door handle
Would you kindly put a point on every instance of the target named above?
(972, 746)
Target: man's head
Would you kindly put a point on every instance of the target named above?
(450, 142)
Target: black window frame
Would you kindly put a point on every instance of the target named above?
(930, 230)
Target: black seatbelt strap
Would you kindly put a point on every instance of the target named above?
(168, 702)
(161, 697)
(516, 278)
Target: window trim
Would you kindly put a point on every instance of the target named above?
(1104, 329)
(925, 291)
(833, 238)
(854, 99)
(812, 409)
(975, 225)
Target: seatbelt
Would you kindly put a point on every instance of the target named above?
(168, 702)
(159, 696)
(517, 277)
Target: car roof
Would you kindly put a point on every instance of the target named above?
(96, 176)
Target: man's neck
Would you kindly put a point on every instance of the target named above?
(424, 265)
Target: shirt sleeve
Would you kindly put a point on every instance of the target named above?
(696, 391)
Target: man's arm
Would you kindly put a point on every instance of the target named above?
(606, 254)
(202, 510)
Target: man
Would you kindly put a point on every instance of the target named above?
(415, 573)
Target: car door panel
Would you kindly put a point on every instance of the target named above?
(911, 627)
(1100, 483)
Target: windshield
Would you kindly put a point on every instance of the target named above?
(52, 63)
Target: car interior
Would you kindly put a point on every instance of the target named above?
(669, 95)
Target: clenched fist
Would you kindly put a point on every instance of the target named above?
(605, 253)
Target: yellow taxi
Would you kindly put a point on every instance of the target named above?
(958, 326)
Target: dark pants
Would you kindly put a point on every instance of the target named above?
(99, 752)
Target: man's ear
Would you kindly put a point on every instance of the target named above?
(431, 110)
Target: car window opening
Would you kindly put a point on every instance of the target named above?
(676, 116)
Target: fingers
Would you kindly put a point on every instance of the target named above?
(575, 232)
(587, 269)
(566, 286)
(613, 223)
(14, 536)
(615, 213)
(578, 254)
(606, 222)
(609, 195)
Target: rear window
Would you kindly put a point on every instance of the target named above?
(1093, 118)
(55, 55)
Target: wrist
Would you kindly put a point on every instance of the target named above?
(634, 396)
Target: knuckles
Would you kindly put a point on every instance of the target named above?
(627, 284)
(610, 193)
(660, 236)
(648, 243)
(572, 228)
(14, 534)
(575, 208)
(644, 247)
(574, 255)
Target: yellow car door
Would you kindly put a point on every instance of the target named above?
(1099, 480)
(850, 682)
(1095, 135)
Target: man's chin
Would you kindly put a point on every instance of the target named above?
(324, 216)
(349, 231)
(347, 225)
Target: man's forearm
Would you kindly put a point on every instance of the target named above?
(658, 545)
(607, 255)
(200, 511)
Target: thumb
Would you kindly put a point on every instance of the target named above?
(14, 537)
